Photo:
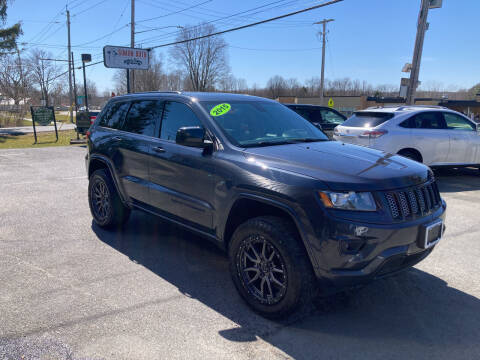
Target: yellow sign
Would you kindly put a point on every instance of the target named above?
(331, 103)
(220, 109)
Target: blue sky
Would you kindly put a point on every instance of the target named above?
(369, 40)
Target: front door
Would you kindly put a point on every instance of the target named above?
(464, 140)
(181, 176)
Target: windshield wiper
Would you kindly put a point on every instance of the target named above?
(283, 142)
(293, 141)
(267, 143)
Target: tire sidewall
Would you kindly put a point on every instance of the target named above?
(294, 281)
(100, 175)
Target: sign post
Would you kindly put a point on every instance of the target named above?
(43, 115)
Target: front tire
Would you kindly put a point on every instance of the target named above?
(107, 208)
(270, 268)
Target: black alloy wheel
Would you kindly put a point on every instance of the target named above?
(107, 208)
(270, 267)
(262, 270)
(101, 200)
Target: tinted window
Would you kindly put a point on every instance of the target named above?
(311, 115)
(262, 123)
(114, 115)
(175, 116)
(427, 120)
(456, 122)
(332, 117)
(142, 117)
(367, 119)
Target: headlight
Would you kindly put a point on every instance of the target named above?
(360, 201)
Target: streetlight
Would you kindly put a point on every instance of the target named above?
(85, 59)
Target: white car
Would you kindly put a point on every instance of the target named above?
(435, 136)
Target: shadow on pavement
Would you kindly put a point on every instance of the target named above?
(458, 180)
(411, 315)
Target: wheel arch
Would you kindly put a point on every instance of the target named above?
(413, 150)
(101, 162)
(248, 206)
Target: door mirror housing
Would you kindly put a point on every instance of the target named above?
(192, 136)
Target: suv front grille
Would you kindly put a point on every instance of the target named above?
(413, 202)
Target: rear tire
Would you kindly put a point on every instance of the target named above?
(412, 155)
(270, 268)
(107, 208)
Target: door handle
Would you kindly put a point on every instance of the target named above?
(159, 149)
(117, 138)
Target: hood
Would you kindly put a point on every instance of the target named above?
(343, 167)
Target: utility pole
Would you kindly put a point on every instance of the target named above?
(74, 85)
(132, 42)
(323, 33)
(22, 77)
(422, 27)
(69, 68)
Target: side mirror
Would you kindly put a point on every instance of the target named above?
(193, 136)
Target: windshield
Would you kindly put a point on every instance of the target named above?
(261, 123)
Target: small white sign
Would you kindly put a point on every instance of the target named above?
(125, 58)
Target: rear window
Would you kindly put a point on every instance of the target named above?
(367, 119)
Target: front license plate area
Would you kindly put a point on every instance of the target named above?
(432, 234)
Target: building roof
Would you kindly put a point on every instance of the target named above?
(472, 103)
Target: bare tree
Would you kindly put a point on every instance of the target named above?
(13, 78)
(120, 82)
(151, 79)
(203, 60)
(44, 73)
(276, 86)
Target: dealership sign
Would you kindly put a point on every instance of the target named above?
(125, 58)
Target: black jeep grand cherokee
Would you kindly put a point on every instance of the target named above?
(292, 209)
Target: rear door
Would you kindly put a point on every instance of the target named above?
(464, 140)
(134, 142)
(181, 176)
(430, 136)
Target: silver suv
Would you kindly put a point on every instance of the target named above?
(435, 136)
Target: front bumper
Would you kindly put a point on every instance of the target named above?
(355, 253)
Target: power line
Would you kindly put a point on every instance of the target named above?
(174, 12)
(89, 8)
(216, 20)
(249, 25)
(252, 49)
(239, 27)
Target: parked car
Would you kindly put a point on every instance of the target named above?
(84, 120)
(294, 211)
(435, 136)
(325, 118)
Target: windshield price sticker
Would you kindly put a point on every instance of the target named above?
(220, 109)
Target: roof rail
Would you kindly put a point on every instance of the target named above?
(381, 107)
(156, 92)
(401, 108)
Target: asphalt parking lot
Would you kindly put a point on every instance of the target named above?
(69, 289)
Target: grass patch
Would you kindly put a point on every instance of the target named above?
(44, 139)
